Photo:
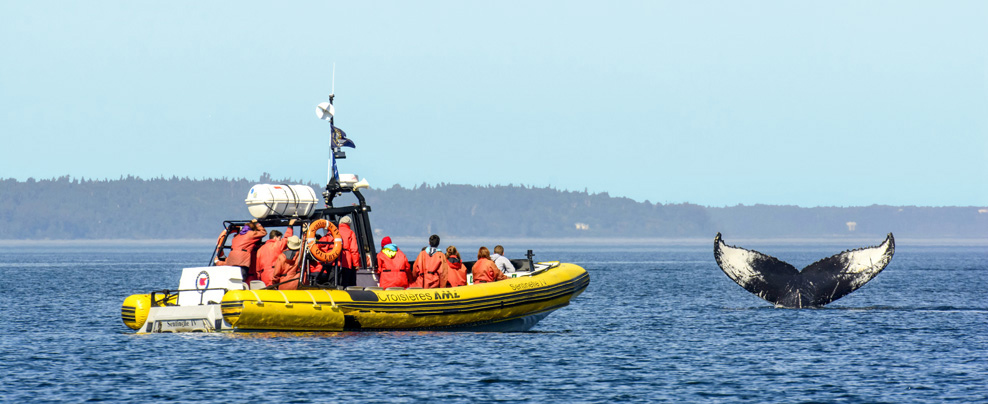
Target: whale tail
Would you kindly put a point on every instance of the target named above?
(816, 285)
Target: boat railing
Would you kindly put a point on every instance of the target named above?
(165, 301)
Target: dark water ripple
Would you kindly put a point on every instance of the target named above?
(661, 325)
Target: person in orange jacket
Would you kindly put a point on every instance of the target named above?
(484, 269)
(286, 265)
(392, 266)
(457, 274)
(430, 266)
(243, 249)
(268, 253)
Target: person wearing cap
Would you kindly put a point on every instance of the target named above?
(457, 273)
(393, 270)
(430, 266)
(484, 269)
(243, 249)
(502, 262)
(286, 266)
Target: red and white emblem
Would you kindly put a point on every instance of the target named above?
(202, 281)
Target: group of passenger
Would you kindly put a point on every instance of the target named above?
(278, 261)
(272, 262)
(435, 268)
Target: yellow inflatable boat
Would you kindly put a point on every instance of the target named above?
(515, 304)
(217, 298)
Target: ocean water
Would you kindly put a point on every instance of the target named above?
(657, 324)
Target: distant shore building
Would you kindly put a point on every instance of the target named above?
(582, 226)
(851, 225)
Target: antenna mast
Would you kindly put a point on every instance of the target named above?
(337, 140)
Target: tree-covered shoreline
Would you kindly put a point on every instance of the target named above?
(182, 208)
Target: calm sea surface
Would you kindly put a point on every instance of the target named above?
(660, 324)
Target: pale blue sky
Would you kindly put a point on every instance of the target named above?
(837, 103)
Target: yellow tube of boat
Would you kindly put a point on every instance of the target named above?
(336, 310)
(310, 310)
(135, 308)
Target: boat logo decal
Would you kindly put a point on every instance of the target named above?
(529, 285)
(202, 281)
(419, 297)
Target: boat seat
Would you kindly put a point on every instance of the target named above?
(395, 288)
(373, 288)
(257, 285)
(354, 288)
(415, 287)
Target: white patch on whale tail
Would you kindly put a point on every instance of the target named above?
(736, 262)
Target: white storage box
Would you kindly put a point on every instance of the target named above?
(266, 200)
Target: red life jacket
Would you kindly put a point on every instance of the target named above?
(485, 271)
(267, 254)
(243, 249)
(393, 271)
(350, 257)
(457, 275)
(430, 270)
(286, 269)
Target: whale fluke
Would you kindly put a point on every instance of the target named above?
(819, 283)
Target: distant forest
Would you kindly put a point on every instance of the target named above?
(182, 208)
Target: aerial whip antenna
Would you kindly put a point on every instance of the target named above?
(331, 172)
(326, 111)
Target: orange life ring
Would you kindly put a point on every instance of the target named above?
(325, 257)
(220, 241)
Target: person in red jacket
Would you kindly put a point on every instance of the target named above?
(286, 266)
(268, 253)
(243, 249)
(393, 270)
(457, 274)
(484, 269)
(430, 266)
(351, 254)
